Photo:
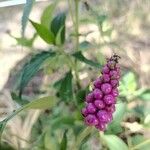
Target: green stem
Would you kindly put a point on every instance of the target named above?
(82, 136)
(77, 39)
(141, 144)
(4, 122)
(77, 23)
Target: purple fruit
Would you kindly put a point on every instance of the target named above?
(91, 120)
(97, 83)
(91, 108)
(101, 126)
(99, 104)
(114, 83)
(105, 69)
(110, 117)
(114, 74)
(111, 64)
(84, 112)
(102, 116)
(97, 94)
(106, 88)
(106, 77)
(115, 92)
(111, 108)
(109, 99)
(89, 97)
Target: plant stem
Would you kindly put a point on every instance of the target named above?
(82, 136)
(141, 144)
(76, 24)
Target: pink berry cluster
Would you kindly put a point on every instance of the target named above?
(100, 102)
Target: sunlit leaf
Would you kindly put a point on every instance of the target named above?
(129, 81)
(145, 95)
(25, 41)
(114, 142)
(43, 32)
(137, 139)
(47, 15)
(42, 103)
(118, 114)
(59, 38)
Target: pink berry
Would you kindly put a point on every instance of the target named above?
(84, 112)
(99, 104)
(114, 83)
(97, 94)
(106, 88)
(109, 99)
(105, 69)
(102, 116)
(89, 97)
(114, 74)
(111, 108)
(115, 92)
(97, 83)
(101, 126)
(91, 108)
(91, 120)
(106, 77)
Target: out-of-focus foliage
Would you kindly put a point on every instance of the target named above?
(60, 125)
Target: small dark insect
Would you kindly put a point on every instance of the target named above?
(115, 57)
(86, 5)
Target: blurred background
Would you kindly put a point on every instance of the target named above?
(105, 27)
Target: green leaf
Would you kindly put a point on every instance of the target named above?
(118, 114)
(128, 84)
(58, 25)
(63, 144)
(137, 139)
(83, 135)
(66, 87)
(26, 13)
(85, 45)
(24, 41)
(43, 32)
(32, 67)
(101, 19)
(114, 142)
(60, 36)
(50, 142)
(79, 56)
(63, 121)
(145, 95)
(81, 95)
(47, 15)
(17, 99)
(57, 84)
(2, 126)
(41, 103)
